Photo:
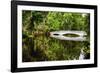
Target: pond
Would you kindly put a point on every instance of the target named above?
(70, 35)
(48, 48)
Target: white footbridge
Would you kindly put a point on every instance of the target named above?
(60, 35)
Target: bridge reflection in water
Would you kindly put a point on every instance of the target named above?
(78, 36)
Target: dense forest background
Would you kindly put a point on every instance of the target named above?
(37, 45)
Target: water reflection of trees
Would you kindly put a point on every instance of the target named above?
(38, 46)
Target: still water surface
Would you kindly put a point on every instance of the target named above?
(61, 47)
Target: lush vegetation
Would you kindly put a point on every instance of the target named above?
(37, 45)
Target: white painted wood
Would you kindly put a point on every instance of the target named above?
(62, 37)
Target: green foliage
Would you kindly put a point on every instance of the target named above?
(39, 46)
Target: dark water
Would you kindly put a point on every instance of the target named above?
(55, 49)
(46, 48)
